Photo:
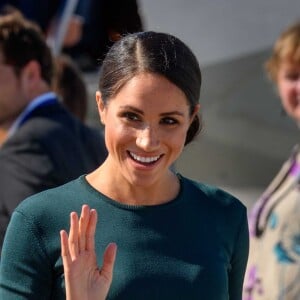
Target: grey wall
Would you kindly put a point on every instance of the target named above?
(221, 29)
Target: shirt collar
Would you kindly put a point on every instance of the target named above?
(36, 102)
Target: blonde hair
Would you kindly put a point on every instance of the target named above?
(286, 48)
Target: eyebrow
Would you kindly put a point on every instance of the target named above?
(129, 107)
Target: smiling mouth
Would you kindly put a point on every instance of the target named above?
(143, 159)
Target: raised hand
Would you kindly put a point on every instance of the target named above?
(83, 278)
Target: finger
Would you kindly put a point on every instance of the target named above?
(83, 223)
(109, 258)
(73, 236)
(65, 254)
(91, 230)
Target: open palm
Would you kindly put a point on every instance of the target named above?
(83, 278)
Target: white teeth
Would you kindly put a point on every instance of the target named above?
(144, 159)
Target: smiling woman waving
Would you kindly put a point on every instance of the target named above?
(176, 238)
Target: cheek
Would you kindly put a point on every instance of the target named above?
(285, 91)
(176, 141)
(117, 135)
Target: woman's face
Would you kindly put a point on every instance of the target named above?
(288, 83)
(145, 127)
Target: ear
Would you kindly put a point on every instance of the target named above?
(101, 107)
(114, 35)
(195, 112)
(30, 76)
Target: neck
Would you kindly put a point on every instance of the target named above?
(42, 89)
(119, 189)
(3, 135)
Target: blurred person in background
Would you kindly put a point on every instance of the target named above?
(105, 22)
(93, 26)
(273, 271)
(47, 14)
(69, 85)
(3, 135)
(45, 146)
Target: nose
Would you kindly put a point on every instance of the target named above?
(148, 139)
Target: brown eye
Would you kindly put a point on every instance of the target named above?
(130, 116)
(169, 121)
(292, 76)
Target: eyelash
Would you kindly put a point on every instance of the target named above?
(133, 117)
(130, 116)
(169, 121)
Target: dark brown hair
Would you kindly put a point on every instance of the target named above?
(286, 49)
(69, 84)
(158, 53)
(22, 41)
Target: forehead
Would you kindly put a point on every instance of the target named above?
(148, 91)
(150, 85)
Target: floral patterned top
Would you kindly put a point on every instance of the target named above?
(273, 271)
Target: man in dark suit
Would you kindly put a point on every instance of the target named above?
(45, 145)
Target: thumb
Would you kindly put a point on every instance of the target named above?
(109, 258)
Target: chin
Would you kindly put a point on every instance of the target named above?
(142, 181)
